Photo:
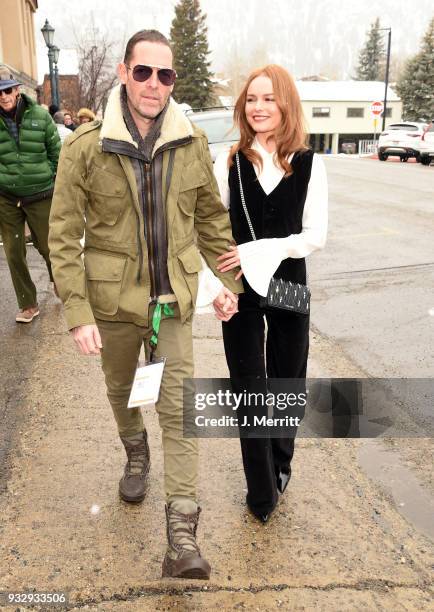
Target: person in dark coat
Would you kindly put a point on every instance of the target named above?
(29, 151)
(285, 191)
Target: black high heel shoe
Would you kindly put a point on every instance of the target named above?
(282, 478)
(261, 516)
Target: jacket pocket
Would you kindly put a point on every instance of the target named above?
(190, 259)
(104, 274)
(193, 177)
(106, 194)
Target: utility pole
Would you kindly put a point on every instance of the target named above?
(386, 76)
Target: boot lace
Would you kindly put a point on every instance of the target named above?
(181, 531)
(137, 458)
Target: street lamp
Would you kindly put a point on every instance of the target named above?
(48, 34)
(52, 77)
(53, 56)
(386, 76)
(56, 52)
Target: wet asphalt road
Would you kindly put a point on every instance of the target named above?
(375, 279)
(18, 346)
(339, 539)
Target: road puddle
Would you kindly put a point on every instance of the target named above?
(387, 469)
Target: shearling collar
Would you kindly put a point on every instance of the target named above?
(146, 144)
(175, 125)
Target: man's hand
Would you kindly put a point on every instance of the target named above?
(87, 339)
(225, 304)
(230, 260)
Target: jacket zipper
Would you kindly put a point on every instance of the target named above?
(151, 230)
(155, 237)
(21, 125)
(142, 205)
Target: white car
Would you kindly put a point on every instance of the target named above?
(425, 147)
(400, 139)
(218, 125)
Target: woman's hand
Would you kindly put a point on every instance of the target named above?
(225, 304)
(230, 260)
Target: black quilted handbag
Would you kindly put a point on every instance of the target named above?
(288, 296)
(281, 294)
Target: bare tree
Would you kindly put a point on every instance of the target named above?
(96, 68)
(241, 63)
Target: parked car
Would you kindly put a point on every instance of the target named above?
(219, 127)
(425, 146)
(400, 139)
(348, 147)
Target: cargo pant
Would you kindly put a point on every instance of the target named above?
(12, 220)
(120, 353)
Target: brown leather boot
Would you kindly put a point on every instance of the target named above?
(133, 484)
(183, 558)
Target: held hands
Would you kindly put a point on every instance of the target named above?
(230, 260)
(225, 304)
(87, 339)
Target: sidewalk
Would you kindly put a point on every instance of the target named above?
(335, 542)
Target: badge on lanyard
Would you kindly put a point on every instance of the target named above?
(147, 380)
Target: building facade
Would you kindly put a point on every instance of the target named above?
(17, 42)
(69, 98)
(339, 112)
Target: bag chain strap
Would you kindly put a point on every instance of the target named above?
(243, 201)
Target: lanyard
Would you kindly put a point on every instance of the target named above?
(159, 310)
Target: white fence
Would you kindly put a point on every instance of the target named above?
(368, 147)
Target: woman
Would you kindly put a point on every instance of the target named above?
(285, 190)
(85, 115)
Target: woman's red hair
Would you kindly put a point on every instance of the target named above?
(290, 136)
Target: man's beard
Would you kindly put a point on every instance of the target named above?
(145, 116)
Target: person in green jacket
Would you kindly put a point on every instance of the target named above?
(140, 189)
(29, 151)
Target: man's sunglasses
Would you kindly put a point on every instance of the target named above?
(6, 91)
(141, 73)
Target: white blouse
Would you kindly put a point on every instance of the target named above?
(261, 258)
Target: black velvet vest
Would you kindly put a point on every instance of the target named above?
(276, 215)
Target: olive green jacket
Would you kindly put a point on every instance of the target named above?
(96, 197)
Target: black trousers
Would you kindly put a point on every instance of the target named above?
(286, 352)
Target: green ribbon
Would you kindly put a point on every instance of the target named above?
(160, 309)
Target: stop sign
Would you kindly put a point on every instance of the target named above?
(377, 108)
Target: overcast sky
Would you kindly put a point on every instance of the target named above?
(307, 36)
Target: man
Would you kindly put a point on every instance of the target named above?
(142, 187)
(59, 120)
(67, 117)
(53, 109)
(29, 151)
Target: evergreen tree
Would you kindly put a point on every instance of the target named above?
(190, 53)
(416, 86)
(371, 56)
